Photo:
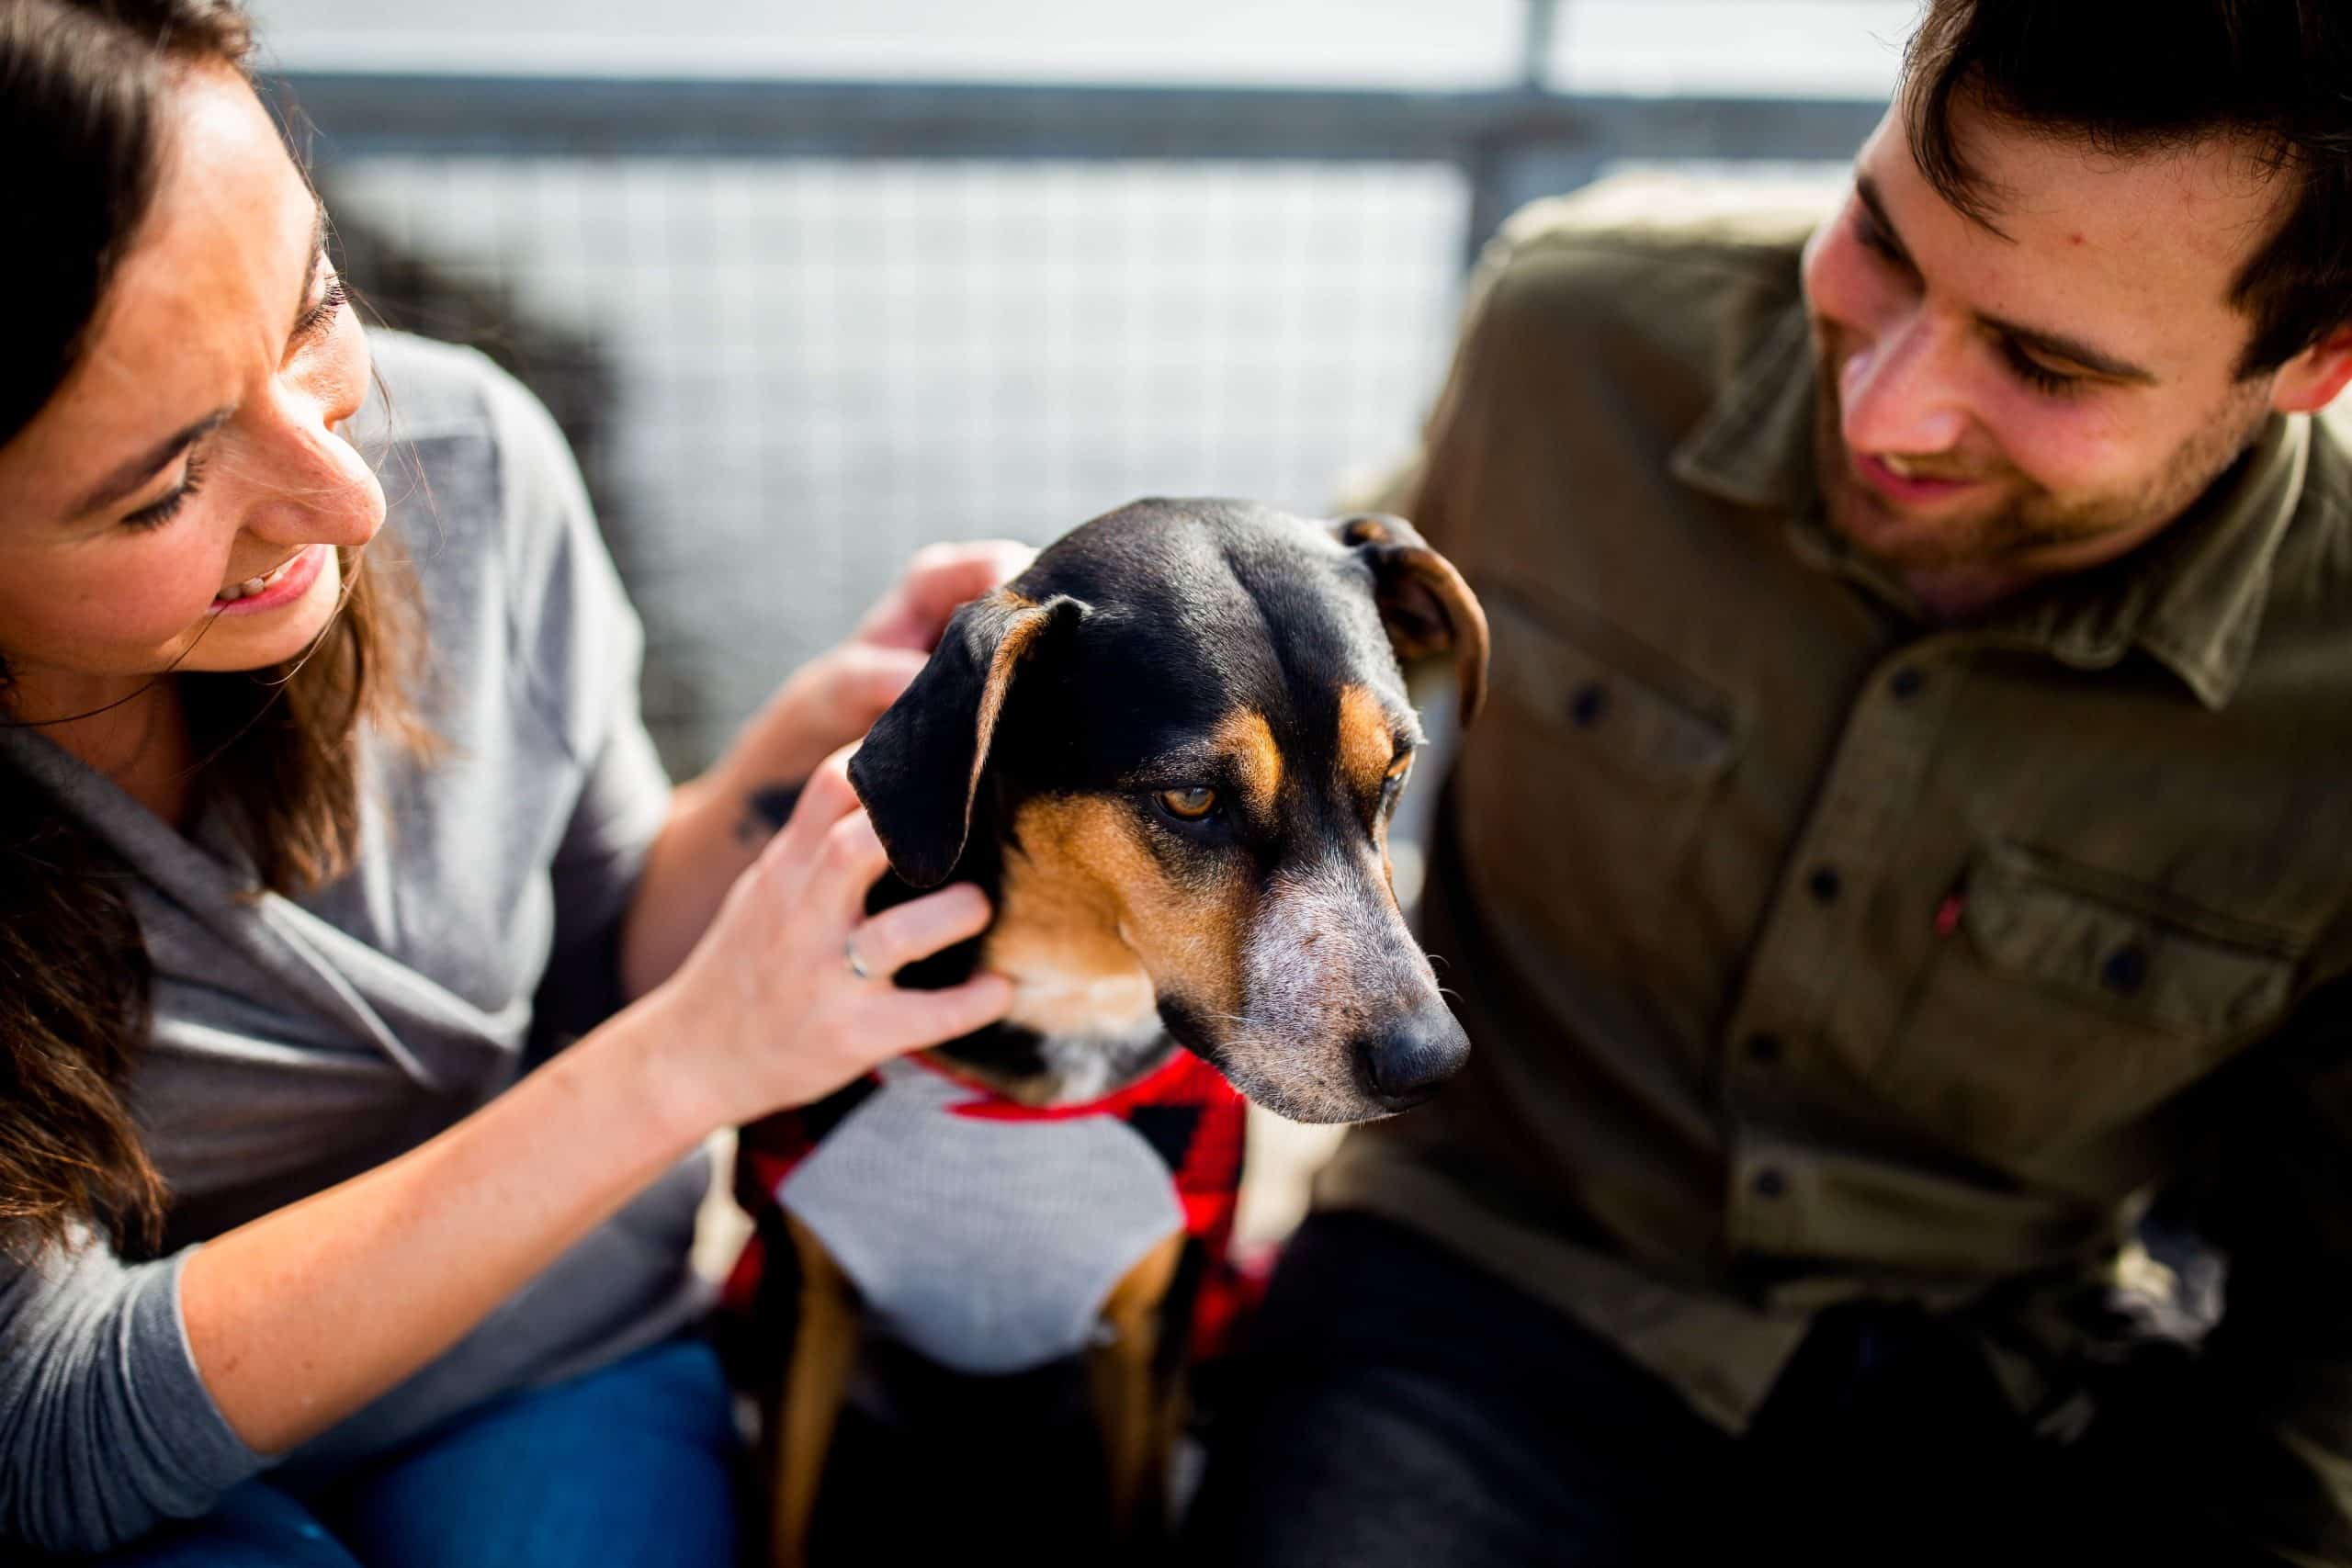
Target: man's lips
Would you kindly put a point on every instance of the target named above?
(1911, 490)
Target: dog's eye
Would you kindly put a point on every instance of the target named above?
(1397, 774)
(1190, 804)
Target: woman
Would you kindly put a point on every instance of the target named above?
(299, 810)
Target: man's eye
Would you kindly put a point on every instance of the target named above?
(1188, 805)
(2040, 377)
(1878, 242)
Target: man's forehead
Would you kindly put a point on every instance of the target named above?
(2210, 203)
(2145, 248)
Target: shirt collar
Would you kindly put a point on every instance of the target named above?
(2191, 598)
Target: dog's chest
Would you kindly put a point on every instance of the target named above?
(984, 1233)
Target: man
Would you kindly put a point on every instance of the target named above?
(1911, 832)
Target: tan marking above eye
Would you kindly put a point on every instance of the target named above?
(1190, 804)
(1245, 743)
(1367, 739)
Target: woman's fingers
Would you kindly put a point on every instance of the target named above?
(909, 1021)
(939, 578)
(851, 861)
(899, 936)
(825, 799)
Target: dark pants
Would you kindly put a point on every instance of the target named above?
(1399, 1405)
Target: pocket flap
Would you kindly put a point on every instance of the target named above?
(1594, 683)
(2122, 945)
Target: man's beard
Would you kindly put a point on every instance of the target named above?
(2027, 520)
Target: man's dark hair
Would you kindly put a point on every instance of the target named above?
(2160, 75)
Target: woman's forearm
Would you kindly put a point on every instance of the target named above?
(299, 1318)
(715, 826)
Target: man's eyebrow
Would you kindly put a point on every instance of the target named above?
(2055, 345)
(318, 254)
(136, 472)
(2058, 346)
(1867, 190)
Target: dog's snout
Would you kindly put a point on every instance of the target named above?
(1403, 1066)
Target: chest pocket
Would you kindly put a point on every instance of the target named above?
(1584, 790)
(2070, 1001)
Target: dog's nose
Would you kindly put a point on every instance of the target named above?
(1404, 1066)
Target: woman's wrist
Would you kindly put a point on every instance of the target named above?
(649, 1044)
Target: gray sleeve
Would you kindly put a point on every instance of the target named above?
(106, 1430)
(580, 647)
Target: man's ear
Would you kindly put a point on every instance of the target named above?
(919, 766)
(1423, 602)
(2310, 381)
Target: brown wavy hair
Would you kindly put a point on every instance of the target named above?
(84, 88)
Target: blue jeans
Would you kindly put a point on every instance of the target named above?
(631, 1466)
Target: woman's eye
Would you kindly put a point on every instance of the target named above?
(156, 514)
(1189, 805)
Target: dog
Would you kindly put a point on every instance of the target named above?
(1168, 751)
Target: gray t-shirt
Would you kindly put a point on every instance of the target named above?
(298, 1042)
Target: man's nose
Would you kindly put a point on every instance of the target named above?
(1404, 1064)
(1902, 393)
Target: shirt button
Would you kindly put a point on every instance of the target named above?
(1905, 683)
(2125, 969)
(1764, 1049)
(1770, 1183)
(1587, 702)
(1824, 884)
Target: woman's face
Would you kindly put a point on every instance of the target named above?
(177, 503)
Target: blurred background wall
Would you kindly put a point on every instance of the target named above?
(809, 284)
(812, 283)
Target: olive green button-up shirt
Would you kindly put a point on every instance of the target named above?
(1809, 950)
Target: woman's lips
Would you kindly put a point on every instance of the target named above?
(281, 584)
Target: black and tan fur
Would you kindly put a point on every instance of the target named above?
(1054, 752)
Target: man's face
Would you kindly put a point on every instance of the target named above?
(1998, 409)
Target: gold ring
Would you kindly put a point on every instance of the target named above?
(857, 964)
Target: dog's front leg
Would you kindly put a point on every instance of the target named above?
(1135, 1429)
(824, 1345)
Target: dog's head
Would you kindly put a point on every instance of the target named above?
(1179, 737)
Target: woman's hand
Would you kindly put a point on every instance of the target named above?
(835, 697)
(719, 821)
(767, 1011)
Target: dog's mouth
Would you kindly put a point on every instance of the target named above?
(1324, 1080)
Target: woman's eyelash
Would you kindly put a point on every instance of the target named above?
(319, 315)
(156, 514)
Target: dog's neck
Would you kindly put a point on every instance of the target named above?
(1085, 1020)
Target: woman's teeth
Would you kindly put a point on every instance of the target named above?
(256, 584)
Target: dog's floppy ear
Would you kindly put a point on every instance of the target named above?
(1423, 602)
(920, 764)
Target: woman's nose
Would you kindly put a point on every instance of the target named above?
(316, 486)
